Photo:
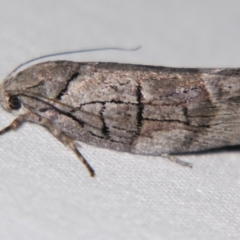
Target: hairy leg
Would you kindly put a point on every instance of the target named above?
(67, 141)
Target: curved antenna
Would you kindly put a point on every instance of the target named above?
(72, 52)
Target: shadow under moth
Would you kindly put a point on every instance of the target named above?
(148, 110)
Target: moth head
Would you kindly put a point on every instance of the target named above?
(10, 102)
(14, 102)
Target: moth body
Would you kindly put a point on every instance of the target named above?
(139, 109)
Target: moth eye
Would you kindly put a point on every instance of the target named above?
(14, 102)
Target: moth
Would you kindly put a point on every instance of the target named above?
(146, 110)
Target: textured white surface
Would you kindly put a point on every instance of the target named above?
(45, 193)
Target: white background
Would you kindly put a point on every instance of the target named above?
(45, 193)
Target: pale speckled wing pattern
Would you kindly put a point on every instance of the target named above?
(133, 108)
(139, 109)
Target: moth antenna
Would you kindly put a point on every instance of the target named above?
(71, 52)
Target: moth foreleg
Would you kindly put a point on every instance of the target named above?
(176, 160)
(67, 141)
(15, 124)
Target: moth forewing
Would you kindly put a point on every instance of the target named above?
(133, 108)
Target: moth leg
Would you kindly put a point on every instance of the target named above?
(67, 141)
(176, 160)
(83, 160)
(15, 124)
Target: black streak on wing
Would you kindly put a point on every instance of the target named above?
(140, 108)
(65, 89)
